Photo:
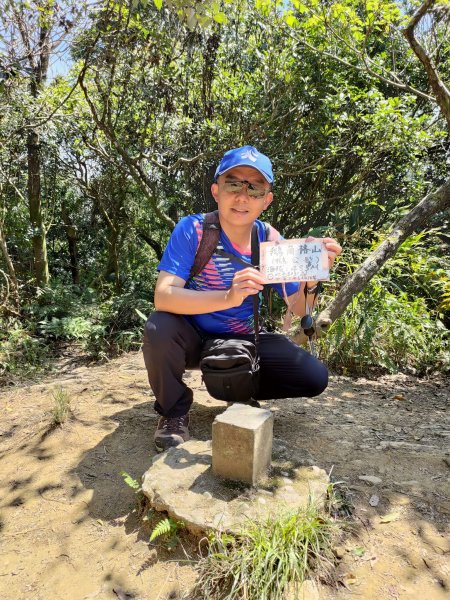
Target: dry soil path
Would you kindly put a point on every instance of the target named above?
(68, 525)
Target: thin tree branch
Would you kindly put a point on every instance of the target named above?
(135, 169)
(440, 90)
(395, 83)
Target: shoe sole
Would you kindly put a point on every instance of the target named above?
(162, 448)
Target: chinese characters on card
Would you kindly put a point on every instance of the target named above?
(294, 260)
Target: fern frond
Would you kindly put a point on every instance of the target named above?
(130, 481)
(164, 527)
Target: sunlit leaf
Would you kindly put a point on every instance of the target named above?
(221, 18)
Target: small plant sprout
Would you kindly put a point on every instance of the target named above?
(131, 482)
(141, 499)
(168, 528)
(61, 407)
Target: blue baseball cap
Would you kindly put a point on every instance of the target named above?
(246, 156)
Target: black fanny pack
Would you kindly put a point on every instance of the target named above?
(230, 369)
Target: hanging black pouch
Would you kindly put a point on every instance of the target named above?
(230, 369)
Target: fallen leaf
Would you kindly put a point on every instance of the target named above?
(390, 517)
(348, 579)
(358, 551)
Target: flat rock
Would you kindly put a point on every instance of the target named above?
(385, 444)
(180, 481)
(370, 479)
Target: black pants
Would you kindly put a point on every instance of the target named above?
(172, 345)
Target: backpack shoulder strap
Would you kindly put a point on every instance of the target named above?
(255, 261)
(208, 243)
(267, 291)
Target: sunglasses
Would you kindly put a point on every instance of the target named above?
(253, 190)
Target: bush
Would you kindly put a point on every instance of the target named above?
(398, 322)
(118, 326)
(68, 328)
(101, 327)
(391, 331)
(21, 353)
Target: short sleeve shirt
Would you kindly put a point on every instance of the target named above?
(178, 259)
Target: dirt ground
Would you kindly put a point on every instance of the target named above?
(68, 524)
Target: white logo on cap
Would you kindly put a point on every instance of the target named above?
(250, 154)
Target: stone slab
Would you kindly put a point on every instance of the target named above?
(242, 443)
(181, 482)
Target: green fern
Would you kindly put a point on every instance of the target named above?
(142, 501)
(445, 299)
(167, 527)
(131, 482)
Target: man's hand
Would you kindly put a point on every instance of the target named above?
(332, 246)
(245, 283)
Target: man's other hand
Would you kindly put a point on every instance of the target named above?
(332, 246)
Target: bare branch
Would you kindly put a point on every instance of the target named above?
(180, 161)
(440, 90)
(134, 167)
(24, 34)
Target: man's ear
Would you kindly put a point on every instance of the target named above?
(268, 200)
(215, 191)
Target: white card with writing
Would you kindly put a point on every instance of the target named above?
(294, 260)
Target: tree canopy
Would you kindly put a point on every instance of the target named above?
(114, 114)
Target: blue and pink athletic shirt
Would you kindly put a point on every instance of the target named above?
(178, 259)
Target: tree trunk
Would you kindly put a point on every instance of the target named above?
(154, 245)
(14, 288)
(40, 260)
(433, 203)
(71, 234)
(112, 265)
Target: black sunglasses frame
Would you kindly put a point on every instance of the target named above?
(250, 187)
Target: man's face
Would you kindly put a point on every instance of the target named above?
(239, 204)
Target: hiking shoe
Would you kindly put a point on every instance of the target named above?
(171, 431)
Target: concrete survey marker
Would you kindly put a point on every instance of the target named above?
(242, 443)
(181, 482)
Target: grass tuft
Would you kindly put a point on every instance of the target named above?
(265, 560)
(61, 408)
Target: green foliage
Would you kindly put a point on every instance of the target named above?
(167, 87)
(61, 409)
(398, 322)
(387, 331)
(265, 559)
(64, 314)
(105, 328)
(69, 328)
(141, 499)
(131, 482)
(21, 353)
(118, 326)
(167, 528)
